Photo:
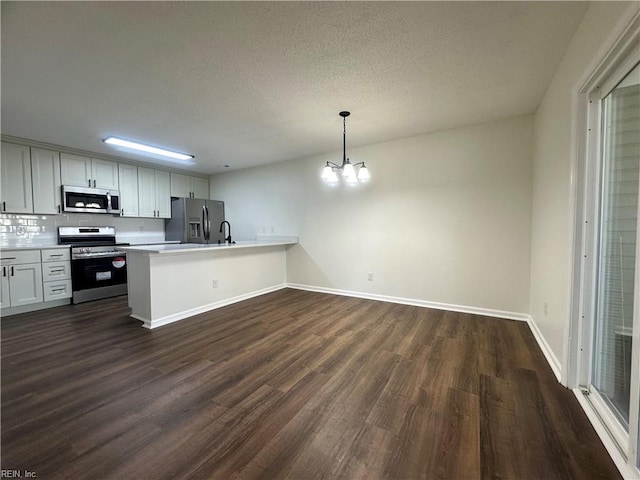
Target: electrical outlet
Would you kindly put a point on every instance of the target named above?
(215, 283)
(370, 277)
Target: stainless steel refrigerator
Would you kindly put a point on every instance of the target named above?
(195, 220)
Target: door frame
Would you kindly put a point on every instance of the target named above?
(617, 58)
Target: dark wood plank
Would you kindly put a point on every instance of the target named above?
(292, 384)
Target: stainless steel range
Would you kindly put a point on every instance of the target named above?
(98, 266)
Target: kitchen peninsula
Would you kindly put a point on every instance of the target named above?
(171, 282)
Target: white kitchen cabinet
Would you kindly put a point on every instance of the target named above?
(200, 187)
(128, 181)
(75, 170)
(180, 185)
(104, 174)
(32, 277)
(56, 274)
(45, 172)
(163, 194)
(56, 255)
(15, 185)
(25, 284)
(57, 290)
(22, 278)
(88, 172)
(4, 293)
(154, 193)
(188, 186)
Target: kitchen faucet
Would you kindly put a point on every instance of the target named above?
(226, 239)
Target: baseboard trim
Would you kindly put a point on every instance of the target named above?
(159, 322)
(551, 358)
(486, 312)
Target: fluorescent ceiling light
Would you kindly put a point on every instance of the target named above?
(147, 148)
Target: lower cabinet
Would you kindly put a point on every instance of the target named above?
(21, 278)
(33, 277)
(56, 274)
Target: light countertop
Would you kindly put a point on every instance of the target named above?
(33, 246)
(201, 247)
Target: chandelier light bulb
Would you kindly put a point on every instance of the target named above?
(327, 172)
(348, 170)
(363, 174)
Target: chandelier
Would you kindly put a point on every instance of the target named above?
(330, 171)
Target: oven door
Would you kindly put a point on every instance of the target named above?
(98, 277)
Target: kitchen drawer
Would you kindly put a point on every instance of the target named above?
(17, 257)
(56, 254)
(56, 271)
(57, 290)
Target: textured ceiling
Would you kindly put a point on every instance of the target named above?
(248, 83)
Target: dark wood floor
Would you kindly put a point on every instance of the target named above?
(287, 385)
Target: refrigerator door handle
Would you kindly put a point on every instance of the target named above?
(208, 223)
(204, 222)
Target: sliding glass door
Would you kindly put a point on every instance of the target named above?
(613, 367)
(616, 262)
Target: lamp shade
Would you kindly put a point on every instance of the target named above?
(363, 174)
(348, 170)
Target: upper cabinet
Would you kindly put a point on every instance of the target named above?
(188, 186)
(31, 180)
(15, 183)
(88, 172)
(200, 187)
(128, 180)
(104, 174)
(45, 172)
(154, 190)
(75, 170)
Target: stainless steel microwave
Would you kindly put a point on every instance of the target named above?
(90, 200)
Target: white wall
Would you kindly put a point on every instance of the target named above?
(553, 142)
(445, 218)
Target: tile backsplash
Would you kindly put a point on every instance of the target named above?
(24, 230)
